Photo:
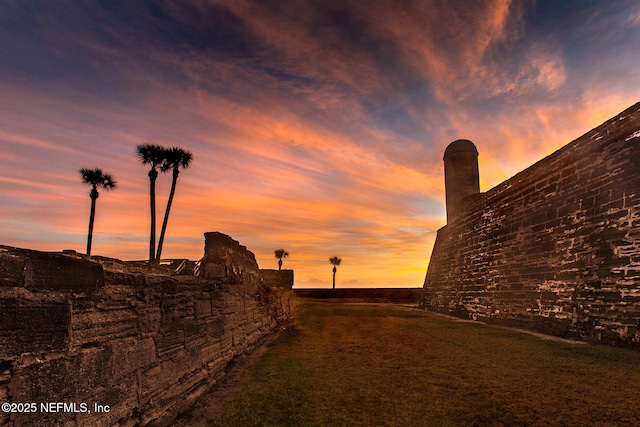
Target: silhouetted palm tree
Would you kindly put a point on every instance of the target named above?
(97, 179)
(176, 158)
(336, 262)
(281, 253)
(154, 155)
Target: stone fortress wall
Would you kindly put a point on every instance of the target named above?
(145, 345)
(555, 248)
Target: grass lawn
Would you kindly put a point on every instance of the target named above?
(351, 365)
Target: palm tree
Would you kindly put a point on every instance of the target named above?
(154, 155)
(97, 179)
(281, 253)
(176, 158)
(336, 262)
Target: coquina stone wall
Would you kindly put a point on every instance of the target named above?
(556, 247)
(278, 278)
(383, 295)
(74, 335)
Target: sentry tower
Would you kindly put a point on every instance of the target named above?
(461, 177)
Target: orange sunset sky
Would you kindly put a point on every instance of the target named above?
(316, 126)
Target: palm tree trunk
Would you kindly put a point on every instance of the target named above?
(92, 216)
(334, 277)
(166, 213)
(153, 174)
(280, 264)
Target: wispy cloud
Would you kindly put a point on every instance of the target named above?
(315, 126)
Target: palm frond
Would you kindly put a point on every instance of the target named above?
(151, 154)
(281, 253)
(97, 178)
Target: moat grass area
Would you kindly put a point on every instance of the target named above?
(351, 365)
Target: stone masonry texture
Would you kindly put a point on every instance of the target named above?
(555, 248)
(146, 345)
(278, 278)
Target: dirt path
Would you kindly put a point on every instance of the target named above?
(523, 331)
(209, 407)
(458, 319)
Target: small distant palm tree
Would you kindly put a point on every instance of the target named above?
(336, 262)
(175, 158)
(97, 179)
(153, 155)
(281, 253)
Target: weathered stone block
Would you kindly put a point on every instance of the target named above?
(176, 308)
(210, 352)
(215, 326)
(277, 278)
(202, 307)
(100, 326)
(169, 341)
(12, 269)
(218, 300)
(129, 355)
(122, 402)
(149, 319)
(70, 379)
(52, 271)
(33, 326)
(89, 370)
(157, 379)
(227, 261)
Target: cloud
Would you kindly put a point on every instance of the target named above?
(315, 126)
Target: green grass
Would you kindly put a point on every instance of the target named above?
(342, 365)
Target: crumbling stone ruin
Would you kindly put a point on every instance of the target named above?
(555, 248)
(101, 346)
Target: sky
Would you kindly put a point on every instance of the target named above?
(316, 126)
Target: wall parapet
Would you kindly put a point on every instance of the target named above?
(554, 248)
(278, 278)
(391, 295)
(145, 345)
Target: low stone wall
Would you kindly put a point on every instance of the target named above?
(84, 345)
(278, 278)
(399, 295)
